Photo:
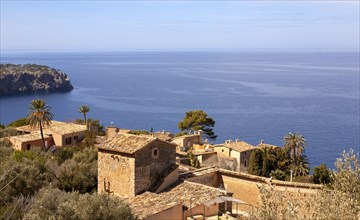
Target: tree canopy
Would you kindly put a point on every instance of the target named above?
(19, 122)
(295, 145)
(198, 120)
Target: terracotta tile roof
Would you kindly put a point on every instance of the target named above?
(26, 128)
(266, 145)
(126, 143)
(183, 191)
(28, 137)
(238, 146)
(165, 136)
(185, 136)
(148, 204)
(65, 128)
(57, 127)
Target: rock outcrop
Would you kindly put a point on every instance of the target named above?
(32, 78)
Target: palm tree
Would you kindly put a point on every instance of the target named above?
(295, 144)
(84, 109)
(39, 115)
(269, 158)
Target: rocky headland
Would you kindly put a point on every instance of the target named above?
(32, 78)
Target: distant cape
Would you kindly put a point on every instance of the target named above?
(32, 78)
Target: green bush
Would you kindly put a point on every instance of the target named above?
(19, 122)
(278, 174)
(6, 132)
(138, 132)
(79, 173)
(321, 174)
(51, 203)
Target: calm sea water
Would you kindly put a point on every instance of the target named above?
(251, 95)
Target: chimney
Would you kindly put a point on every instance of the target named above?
(111, 131)
(230, 140)
(262, 141)
(200, 136)
(236, 140)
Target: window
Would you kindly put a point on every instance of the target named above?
(155, 153)
(68, 141)
(245, 163)
(75, 138)
(222, 150)
(28, 147)
(245, 153)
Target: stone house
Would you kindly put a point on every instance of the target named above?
(239, 150)
(185, 142)
(132, 164)
(30, 141)
(57, 133)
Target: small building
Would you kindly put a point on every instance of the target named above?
(57, 133)
(185, 142)
(66, 134)
(30, 141)
(239, 150)
(263, 144)
(132, 164)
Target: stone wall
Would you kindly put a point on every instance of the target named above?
(245, 186)
(202, 210)
(244, 190)
(208, 179)
(35, 144)
(115, 173)
(173, 213)
(187, 141)
(59, 140)
(149, 167)
(224, 151)
(209, 159)
(244, 160)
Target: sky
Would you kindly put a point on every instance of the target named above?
(179, 25)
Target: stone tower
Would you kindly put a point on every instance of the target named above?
(131, 164)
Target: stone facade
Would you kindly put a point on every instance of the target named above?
(240, 151)
(151, 162)
(30, 141)
(130, 173)
(187, 141)
(116, 173)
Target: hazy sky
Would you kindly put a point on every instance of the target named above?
(176, 25)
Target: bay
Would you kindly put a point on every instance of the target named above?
(250, 95)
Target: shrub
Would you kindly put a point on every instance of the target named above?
(139, 132)
(278, 174)
(321, 174)
(51, 203)
(19, 122)
(339, 200)
(6, 132)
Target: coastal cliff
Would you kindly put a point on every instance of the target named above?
(32, 78)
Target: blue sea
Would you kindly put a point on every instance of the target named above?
(250, 95)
